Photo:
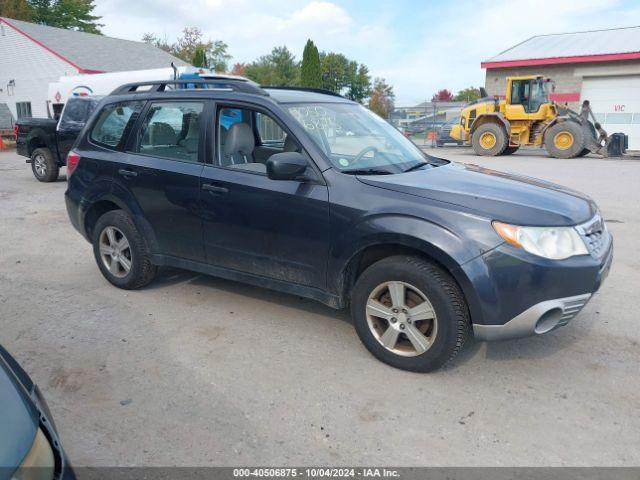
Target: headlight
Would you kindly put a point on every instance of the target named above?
(39, 463)
(555, 243)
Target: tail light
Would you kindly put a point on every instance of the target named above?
(15, 131)
(73, 159)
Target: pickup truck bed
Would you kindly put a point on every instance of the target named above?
(47, 141)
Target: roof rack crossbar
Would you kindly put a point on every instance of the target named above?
(219, 83)
(304, 89)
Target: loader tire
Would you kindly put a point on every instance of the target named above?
(565, 140)
(490, 139)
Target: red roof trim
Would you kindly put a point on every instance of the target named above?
(607, 57)
(89, 71)
(80, 70)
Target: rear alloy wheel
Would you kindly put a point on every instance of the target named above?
(44, 166)
(115, 252)
(564, 140)
(120, 251)
(409, 313)
(489, 139)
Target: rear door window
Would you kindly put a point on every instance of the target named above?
(171, 130)
(113, 122)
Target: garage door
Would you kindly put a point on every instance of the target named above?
(616, 103)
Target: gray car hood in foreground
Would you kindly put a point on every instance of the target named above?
(18, 420)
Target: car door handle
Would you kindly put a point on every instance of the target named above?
(127, 173)
(214, 188)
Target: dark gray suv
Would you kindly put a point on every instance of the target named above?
(312, 194)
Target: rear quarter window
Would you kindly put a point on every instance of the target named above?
(114, 122)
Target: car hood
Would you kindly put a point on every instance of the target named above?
(500, 196)
(18, 417)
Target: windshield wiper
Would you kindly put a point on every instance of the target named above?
(367, 171)
(416, 166)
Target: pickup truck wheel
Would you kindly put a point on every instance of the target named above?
(410, 313)
(44, 166)
(121, 252)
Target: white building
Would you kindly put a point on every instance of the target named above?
(34, 55)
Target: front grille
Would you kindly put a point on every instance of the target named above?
(595, 234)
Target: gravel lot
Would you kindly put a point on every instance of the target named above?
(194, 370)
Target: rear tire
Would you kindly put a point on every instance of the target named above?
(44, 166)
(387, 303)
(564, 140)
(120, 251)
(510, 150)
(489, 139)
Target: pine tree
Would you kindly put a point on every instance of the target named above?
(310, 71)
(69, 14)
(199, 58)
(16, 9)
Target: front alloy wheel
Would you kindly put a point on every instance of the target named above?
(401, 318)
(410, 313)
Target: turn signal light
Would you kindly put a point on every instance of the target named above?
(73, 159)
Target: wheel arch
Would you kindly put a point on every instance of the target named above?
(105, 203)
(491, 117)
(373, 252)
(34, 142)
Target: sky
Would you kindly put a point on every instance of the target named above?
(417, 46)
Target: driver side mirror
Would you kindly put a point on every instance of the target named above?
(287, 166)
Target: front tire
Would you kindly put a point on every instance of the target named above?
(44, 166)
(410, 313)
(120, 251)
(489, 139)
(564, 140)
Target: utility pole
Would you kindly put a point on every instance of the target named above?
(426, 129)
(433, 126)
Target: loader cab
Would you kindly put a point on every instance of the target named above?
(525, 96)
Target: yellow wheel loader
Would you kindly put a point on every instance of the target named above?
(527, 117)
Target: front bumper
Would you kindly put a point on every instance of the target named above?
(517, 294)
(536, 320)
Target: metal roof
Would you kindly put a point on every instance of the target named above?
(91, 52)
(590, 46)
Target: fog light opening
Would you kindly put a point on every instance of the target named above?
(548, 321)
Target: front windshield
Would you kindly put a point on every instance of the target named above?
(355, 139)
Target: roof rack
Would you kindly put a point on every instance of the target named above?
(211, 83)
(304, 89)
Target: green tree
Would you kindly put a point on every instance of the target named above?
(334, 71)
(199, 58)
(217, 56)
(359, 82)
(16, 9)
(382, 98)
(69, 14)
(310, 71)
(188, 47)
(467, 94)
(157, 42)
(279, 68)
